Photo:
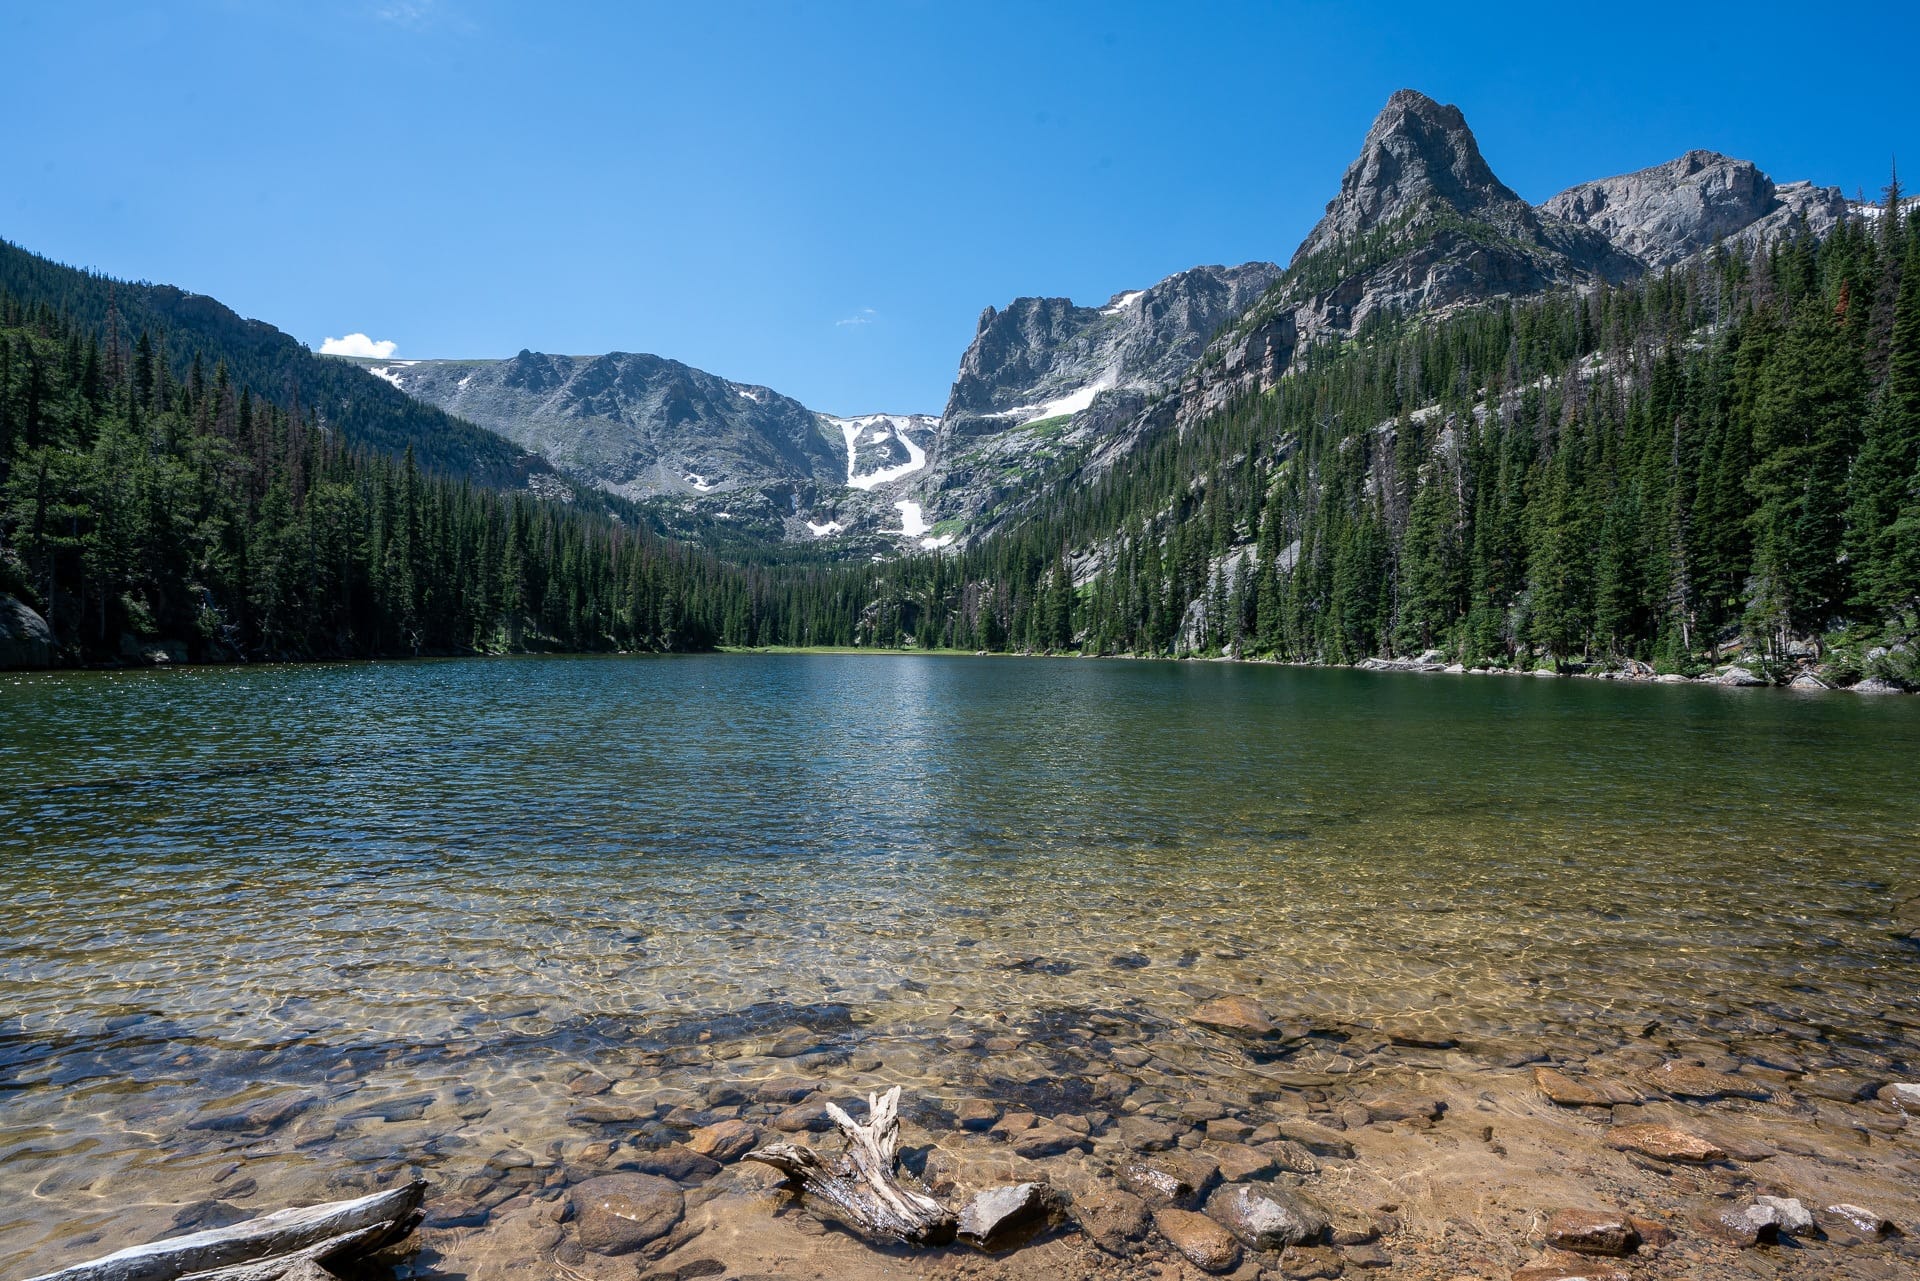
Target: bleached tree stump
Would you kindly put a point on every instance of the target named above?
(859, 1185)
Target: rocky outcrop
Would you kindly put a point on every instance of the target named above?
(25, 638)
(638, 425)
(1665, 214)
(1046, 383)
(1420, 224)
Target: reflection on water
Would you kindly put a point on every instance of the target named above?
(273, 928)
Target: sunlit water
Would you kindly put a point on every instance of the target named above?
(414, 899)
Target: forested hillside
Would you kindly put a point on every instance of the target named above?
(1719, 455)
(1719, 458)
(140, 510)
(185, 327)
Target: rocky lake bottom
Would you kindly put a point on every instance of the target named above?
(1260, 972)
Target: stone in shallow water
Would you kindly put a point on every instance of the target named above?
(976, 1114)
(1592, 1232)
(1904, 1095)
(1206, 1244)
(809, 1117)
(1691, 1081)
(1047, 1140)
(676, 1162)
(1567, 1092)
(1240, 1015)
(1238, 1162)
(1789, 1215)
(1116, 1220)
(1317, 1139)
(1743, 1225)
(1570, 1267)
(1144, 1134)
(724, 1140)
(1178, 1178)
(1003, 1216)
(1664, 1143)
(1267, 1217)
(1851, 1223)
(619, 1213)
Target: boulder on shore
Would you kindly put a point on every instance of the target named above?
(25, 638)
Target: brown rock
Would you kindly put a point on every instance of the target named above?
(1566, 1091)
(1367, 1255)
(810, 1116)
(1047, 1140)
(1654, 1235)
(1311, 1263)
(1317, 1139)
(1177, 1178)
(589, 1083)
(1143, 1134)
(1292, 1157)
(1205, 1243)
(1238, 1162)
(1573, 1268)
(1115, 1220)
(724, 1141)
(1664, 1143)
(1690, 1081)
(677, 1162)
(619, 1213)
(976, 1114)
(1239, 1015)
(1592, 1232)
(1013, 1123)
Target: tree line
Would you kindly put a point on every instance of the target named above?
(1722, 455)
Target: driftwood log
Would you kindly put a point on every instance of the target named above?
(859, 1185)
(288, 1245)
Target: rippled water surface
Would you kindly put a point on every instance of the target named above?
(405, 902)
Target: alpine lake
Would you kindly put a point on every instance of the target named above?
(279, 935)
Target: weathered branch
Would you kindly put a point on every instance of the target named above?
(284, 1245)
(860, 1184)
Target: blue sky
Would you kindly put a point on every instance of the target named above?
(821, 197)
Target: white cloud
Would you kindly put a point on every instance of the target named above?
(865, 316)
(359, 345)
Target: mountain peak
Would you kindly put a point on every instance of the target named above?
(1417, 151)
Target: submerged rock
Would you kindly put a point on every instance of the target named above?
(1240, 1015)
(1114, 1219)
(1602, 1232)
(1664, 1143)
(1850, 1223)
(619, 1213)
(1691, 1081)
(1002, 1216)
(1567, 1092)
(724, 1140)
(1267, 1217)
(1175, 1178)
(1206, 1244)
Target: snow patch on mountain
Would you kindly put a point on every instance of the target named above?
(1122, 302)
(827, 530)
(882, 427)
(386, 371)
(913, 521)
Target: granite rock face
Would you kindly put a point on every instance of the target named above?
(25, 638)
(637, 425)
(1667, 213)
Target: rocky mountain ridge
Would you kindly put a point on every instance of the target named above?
(1420, 224)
